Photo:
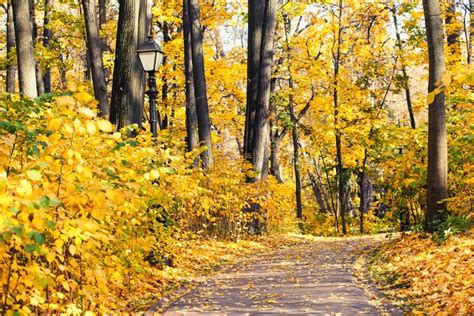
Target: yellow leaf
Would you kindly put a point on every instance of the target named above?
(430, 98)
(446, 79)
(105, 126)
(83, 97)
(65, 101)
(91, 128)
(154, 174)
(54, 124)
(24, 188)
(72, 249)
(33, 175)
(66, 286)
(87, 112)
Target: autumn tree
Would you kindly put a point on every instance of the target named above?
(199, 79)
(47, 37)
(127, 90)
(95, 55)
(437, 141)
(25, 48)
(191, 118)
(261, 27)
(11, 68)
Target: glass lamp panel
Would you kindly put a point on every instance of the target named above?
(148, 60)
(159, 60)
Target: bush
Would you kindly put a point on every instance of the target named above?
(88, 214)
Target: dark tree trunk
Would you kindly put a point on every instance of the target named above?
(25, 48)
(127, 99)
(191, 118)
(38, 70)
(95, 55)
(47, 36)
(294, 126)
(339, 166)
(363, 202)
(200, 92)
(319, 182)
(261, 132)
(437, 140)
(406, 85)
(471, 32)
(255, 20)
(317, 193)
(164, 88)
(11, 68)
(102, 12)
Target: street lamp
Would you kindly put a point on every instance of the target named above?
(151, 57)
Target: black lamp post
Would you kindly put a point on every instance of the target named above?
(151, 57)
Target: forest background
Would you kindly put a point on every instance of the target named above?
(273, 117)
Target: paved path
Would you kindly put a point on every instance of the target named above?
(315, 278)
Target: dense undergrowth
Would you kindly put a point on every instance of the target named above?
(426, 277)
(89, 216)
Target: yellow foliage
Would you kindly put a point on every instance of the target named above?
(415, 270)
(89, 216)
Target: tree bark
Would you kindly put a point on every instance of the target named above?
(191, 118)
(317, 193)
(261, 132)
(339, 166)
(95, 55)
(255, 24)
(200, 92)
(471, 31)
(11, 68)
(127, 100)
(406, 79)
(164, 88)
(437, 140)
(47, 36)
(34, 28)
(25, 48)
(294, 129)
(102, 13)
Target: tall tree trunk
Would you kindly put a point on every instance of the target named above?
(34, 28)
(362, 195)
(471, 32)
(95, 55)
(294, 123)
(102, 13)
(261, 132)
(255, 24)
(47, 36)
(437, 140)
(406, 79)
(339, 166)
(191, 118)
(164, 88)
(25, 48)
(11, 68)
(127, 100)
(200, 92)
(317, 193)
(319, 182)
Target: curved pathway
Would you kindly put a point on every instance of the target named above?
(312, 278)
